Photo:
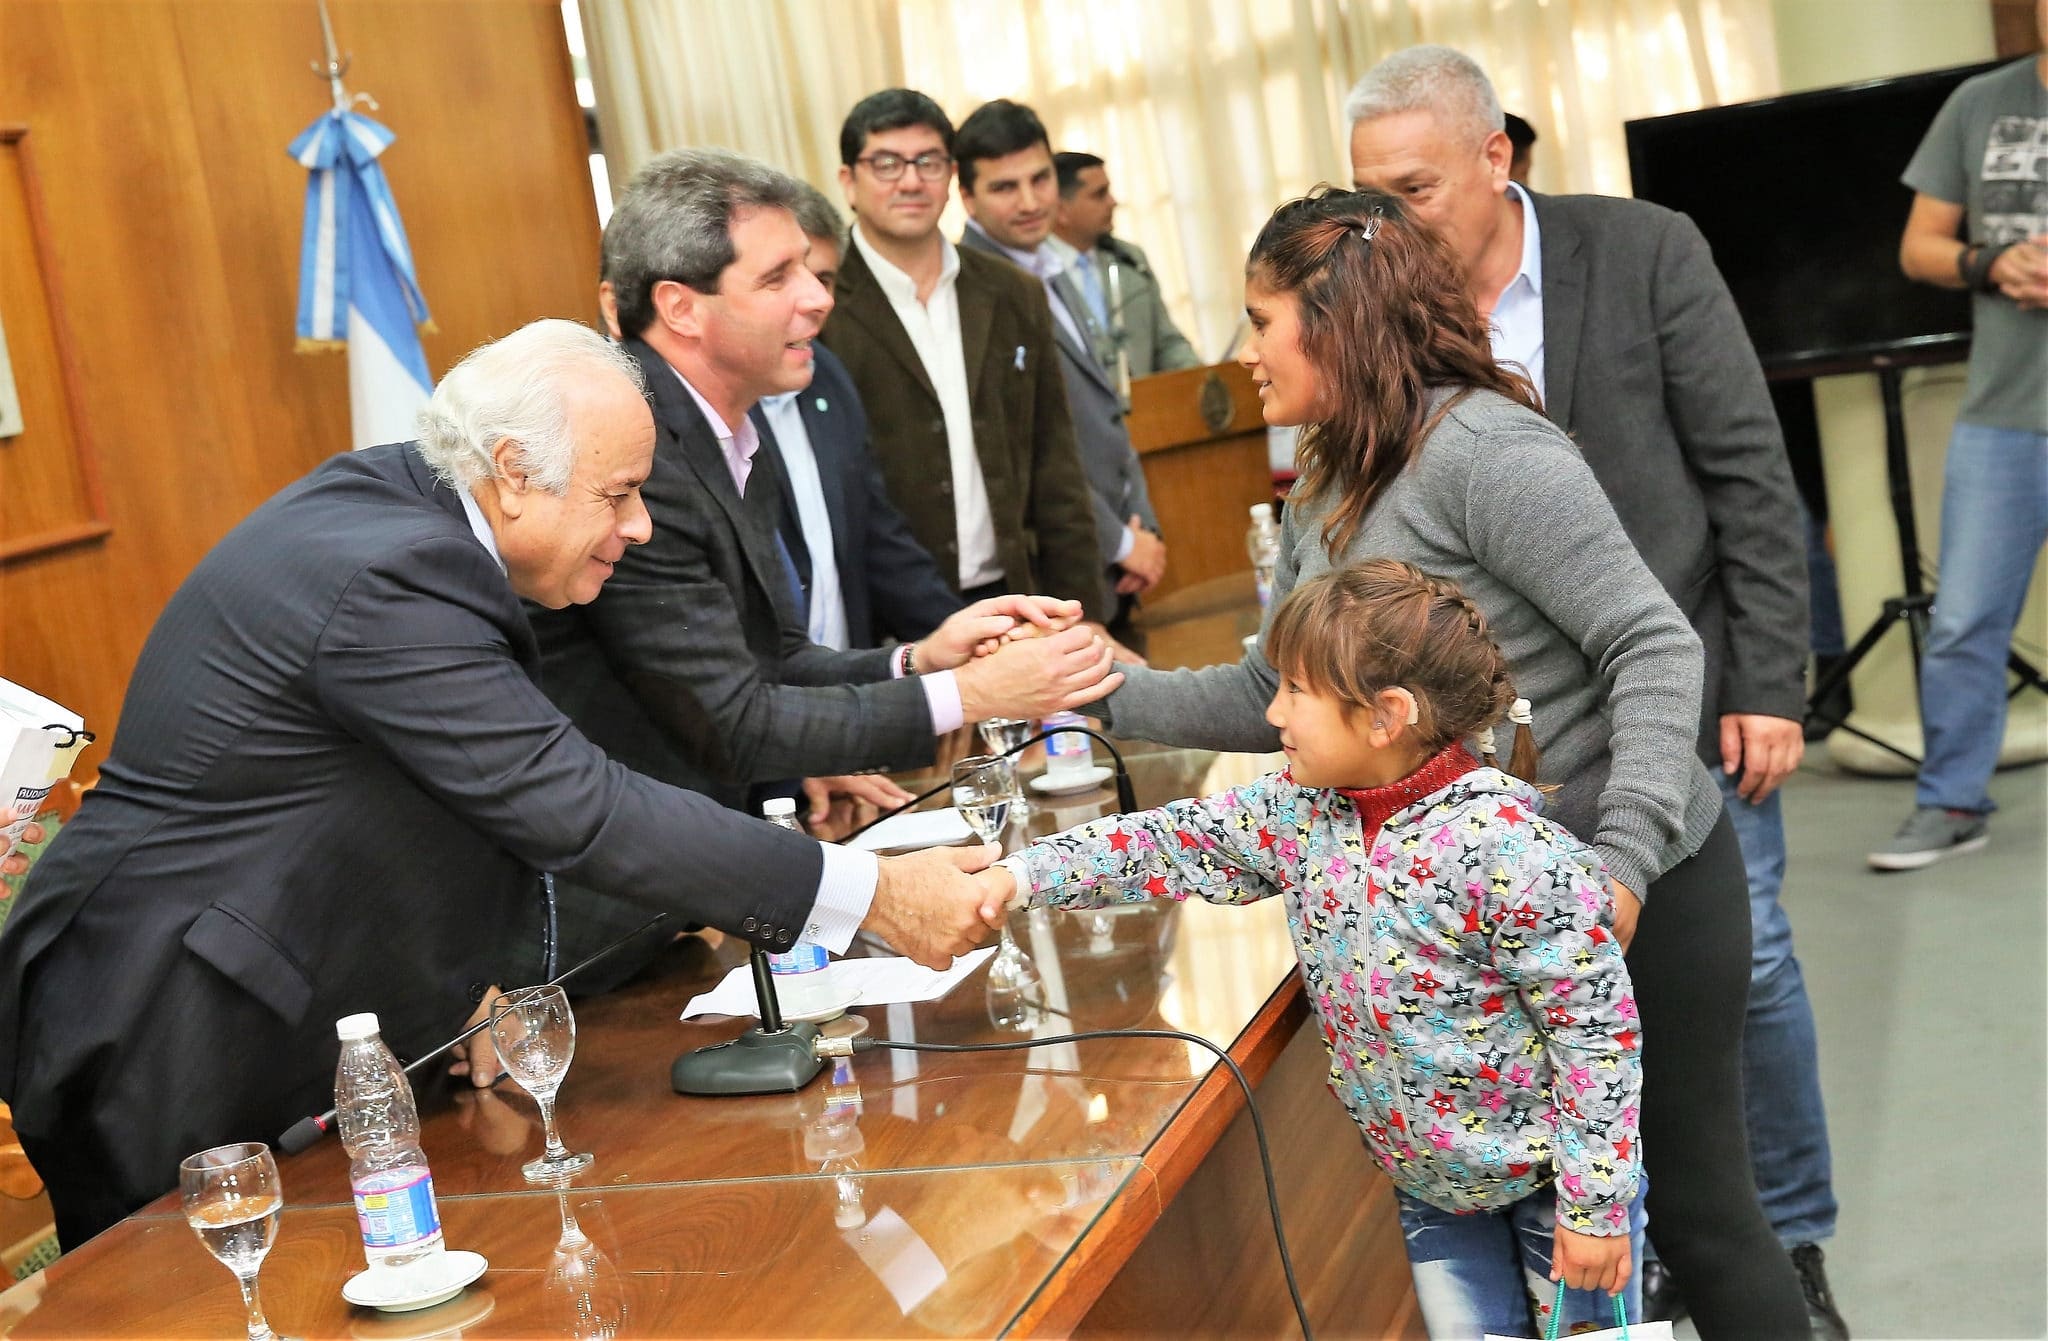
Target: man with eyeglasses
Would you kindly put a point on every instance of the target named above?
(954, 357)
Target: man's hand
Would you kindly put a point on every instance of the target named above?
(1588, 1263)
(1145, 565)
(983, 623)
(1036, 677)
(1766, 749)
(928, 905)
(860, 788)
(1627, 908)
(12, 862)
(477, 1056)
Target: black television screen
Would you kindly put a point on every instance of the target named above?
(1800, 198)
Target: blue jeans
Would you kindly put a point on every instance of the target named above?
(1787, 1119)
(1489, 1272)
(1994, 520)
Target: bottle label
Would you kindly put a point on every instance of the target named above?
(397, 1208)
(803, 957)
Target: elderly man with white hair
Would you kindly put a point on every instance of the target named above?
(335, 784)
(1614, 310)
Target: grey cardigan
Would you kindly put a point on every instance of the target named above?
(1500, 501)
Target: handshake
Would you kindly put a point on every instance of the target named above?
(941, 902)
(1022, 656)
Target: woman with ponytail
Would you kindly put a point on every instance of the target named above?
(1415, 445)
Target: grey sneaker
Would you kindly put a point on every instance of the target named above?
(1929, 834)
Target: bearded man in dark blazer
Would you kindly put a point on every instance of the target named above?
(335, 784)
(1616, 312)
(954, 357)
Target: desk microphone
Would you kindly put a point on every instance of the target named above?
(778, 1057)
(308, 1130)
(1126, 799)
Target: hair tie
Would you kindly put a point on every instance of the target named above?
(1518, 712)
(1486, 746)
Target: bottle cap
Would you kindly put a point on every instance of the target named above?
(1262, 511)
(349, 1028)
(777, 806)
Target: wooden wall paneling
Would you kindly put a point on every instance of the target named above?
(49, 482)
(160, 128)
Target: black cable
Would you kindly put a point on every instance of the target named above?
(1125, 801)
(866, 1042)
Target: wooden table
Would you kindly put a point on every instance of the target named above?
(1091, 1189)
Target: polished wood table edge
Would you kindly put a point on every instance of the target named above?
(1066, 1295)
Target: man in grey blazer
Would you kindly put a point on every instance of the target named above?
(1114, 276)
(1617, 313)
(335, 785)
(1010, 191)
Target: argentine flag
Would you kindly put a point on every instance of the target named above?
(356, 280)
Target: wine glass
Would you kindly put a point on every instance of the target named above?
(999, 734)
(232, 1201)
(981, 792)
(536, 1036)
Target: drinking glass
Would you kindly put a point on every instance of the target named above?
(981, 792)
(232, 1201)
(590, 1294)
(1007, 733)
(536, 1036)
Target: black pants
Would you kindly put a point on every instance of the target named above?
(1690, 963)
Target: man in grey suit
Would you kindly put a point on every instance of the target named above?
(1009, 188)
(1114, 276)
(1616, 312)
(693, 665)
(335, 785)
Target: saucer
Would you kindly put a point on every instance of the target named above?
(817, 1006)
(1091, 778)
(402, 1291)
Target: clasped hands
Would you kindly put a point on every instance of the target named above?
(1021, 656)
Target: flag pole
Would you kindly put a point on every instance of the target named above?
(336, 65)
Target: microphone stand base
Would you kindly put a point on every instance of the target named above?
(754, 1063)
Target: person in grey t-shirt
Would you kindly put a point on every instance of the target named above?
(1984, 164)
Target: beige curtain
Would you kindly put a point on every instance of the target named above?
(1209, 112)
(771, 78)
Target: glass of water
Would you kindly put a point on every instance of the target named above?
(1008, 733)
(232, 1201)
(536, 1036)
(981, 793)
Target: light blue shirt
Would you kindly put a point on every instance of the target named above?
(1518, 316)
(800, 460)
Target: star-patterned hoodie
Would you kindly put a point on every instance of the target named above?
(1459, 952)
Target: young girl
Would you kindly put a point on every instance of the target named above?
(1459, 950)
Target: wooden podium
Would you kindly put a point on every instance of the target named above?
(1202, 442)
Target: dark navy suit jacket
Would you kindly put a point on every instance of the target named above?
(890, 584)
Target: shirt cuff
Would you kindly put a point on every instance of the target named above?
(942, 697)
(1022, 896)
(846, 890)
(1123, 546)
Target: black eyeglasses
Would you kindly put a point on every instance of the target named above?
(931, 165)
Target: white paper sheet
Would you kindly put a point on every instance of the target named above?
(880, 981)
(915, 828)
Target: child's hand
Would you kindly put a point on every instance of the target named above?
(998, 891)
(1588, 1263)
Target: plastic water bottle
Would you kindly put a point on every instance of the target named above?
(1068, 755)
(796, 970)
(380, 1127)
(1262, 542)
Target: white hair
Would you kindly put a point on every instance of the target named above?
(1435, 79)
(517, 388)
